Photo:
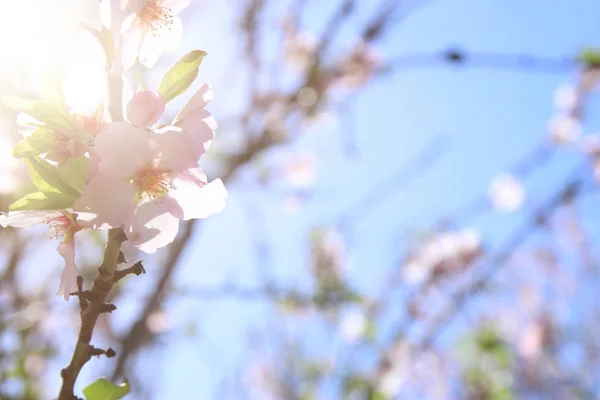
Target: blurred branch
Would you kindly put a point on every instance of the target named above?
(335, 23)
(459, 300)
(522, 168)
(499, 259)
(268, 293)
(390, 12)
(250, 22)
(462, 58)
(138, 333)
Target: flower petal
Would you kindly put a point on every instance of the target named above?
(26, 219)
(153, 46)
(197, 198)
(200, 127)
(145, 108)
(68, 278)
(175, 6)
(123, 149)
(176, 150)
(110, 199)
(131, 42)
(153, 226)
(199, 100)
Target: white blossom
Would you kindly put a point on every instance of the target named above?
(353, 327)
(506, 193)
(564, 128)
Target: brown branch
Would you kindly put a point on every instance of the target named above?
(91, 307)
(135, 269)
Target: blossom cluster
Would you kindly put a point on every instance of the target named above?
(94, 172)
(445, 253)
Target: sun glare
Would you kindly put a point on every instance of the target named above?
(37, 38)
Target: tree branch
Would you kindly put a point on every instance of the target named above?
(91, 309)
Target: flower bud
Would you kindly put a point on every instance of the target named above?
(145, 108)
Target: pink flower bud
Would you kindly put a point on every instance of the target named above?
(145, 108)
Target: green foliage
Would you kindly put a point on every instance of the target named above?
(104, 389)
(181, 75)
(43, 201)
(377, 395)
(58, 186)
(360, 387)
(62, 179)
(371, 331)
(488, 361)
(40, 141)
(52, 114)
(590, 57)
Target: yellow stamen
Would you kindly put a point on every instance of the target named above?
(152, 183)
(156, 17)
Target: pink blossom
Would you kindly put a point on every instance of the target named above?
(62, 224)
(145, 108)
(153, 182)
(196, 121)
(150, 30)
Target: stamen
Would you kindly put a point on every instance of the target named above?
(91, 125)
(64, 147)
(152, 183)
(156, 17)
(58, 226)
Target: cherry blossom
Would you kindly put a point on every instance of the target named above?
(360, 66)
(445, 253)
(353, 327)
(506, 193)
(153, 180)
(62, 145)
(299, 50)
(145, 108)
(62, 224)
(151, 29)
(565, 98)
(299, 169)
(564, 128)
(196, 121)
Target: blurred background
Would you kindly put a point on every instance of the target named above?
(412, 213)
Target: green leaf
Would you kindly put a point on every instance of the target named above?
(73, 172)
(43, 201)
(181, 75)
(377, 395)
(19, 103)
(103, 389)
(40, 141)
(590, 57)
(371, 331)
(49, 178)
(52, 113)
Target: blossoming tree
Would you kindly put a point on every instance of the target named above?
(312, 292)
(116, 169)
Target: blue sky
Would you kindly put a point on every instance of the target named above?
(489, 118)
